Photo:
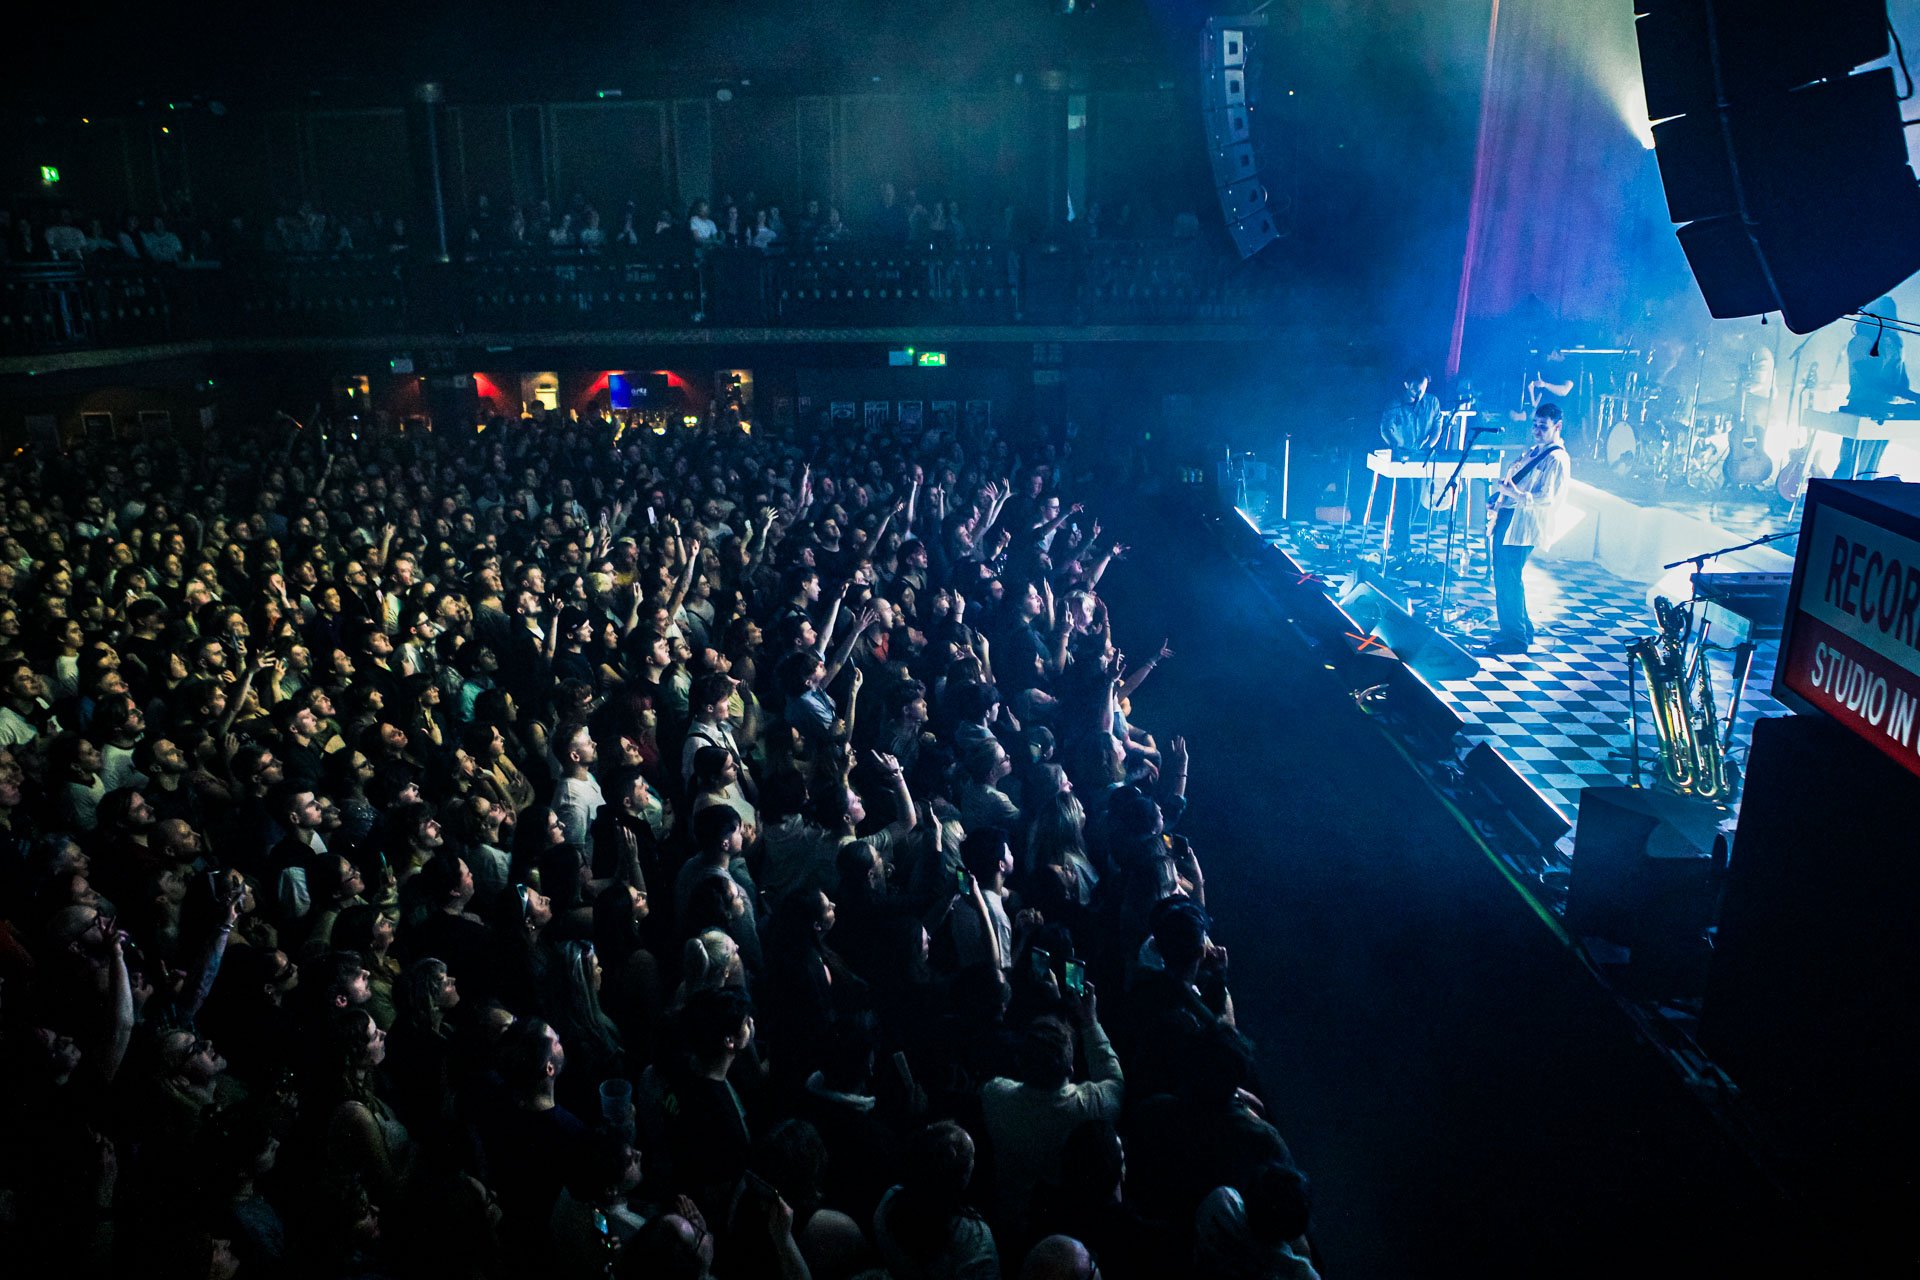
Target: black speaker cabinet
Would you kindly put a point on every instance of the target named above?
(1810, 1003)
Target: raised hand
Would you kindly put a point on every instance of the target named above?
(779, 1219)
(687, 1209)
(1084, 1006)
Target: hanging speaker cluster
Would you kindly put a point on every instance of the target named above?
(1227, 105)
(1787, 171)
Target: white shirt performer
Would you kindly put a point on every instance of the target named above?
(1523, 508)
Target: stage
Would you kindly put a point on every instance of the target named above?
(1559, 714)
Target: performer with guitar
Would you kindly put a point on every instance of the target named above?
(1523, 507)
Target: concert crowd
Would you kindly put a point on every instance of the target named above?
(554, 850)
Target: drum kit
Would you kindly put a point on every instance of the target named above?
(1661, 430)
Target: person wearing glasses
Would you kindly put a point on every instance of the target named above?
(1524, 504)
(192, 1082)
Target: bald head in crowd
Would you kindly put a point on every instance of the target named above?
(1059, 1258)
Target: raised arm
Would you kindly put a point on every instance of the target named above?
(632, 609)
(239, 696)
(686, 580)
(757, 549)
(1098, 569)
(843, 724)
(1136, 677)
(909, 815)
(864, 619)
(120, 998)
(833, 621)
(208, 966)
(1041, 530)
(880, 535)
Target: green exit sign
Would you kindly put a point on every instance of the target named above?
(931, 359)
(49, 176)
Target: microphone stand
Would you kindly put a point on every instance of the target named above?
(1699, 562)
(1426, 464)
(1451, 494)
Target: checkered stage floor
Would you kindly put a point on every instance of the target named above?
(1559, 712)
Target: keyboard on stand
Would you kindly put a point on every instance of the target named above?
(1744, 606)
(1483, 462)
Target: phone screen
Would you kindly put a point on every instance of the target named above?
(1076, 977)
(1041, 961)
(960, 878)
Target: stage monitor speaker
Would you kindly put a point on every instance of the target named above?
(1327, 628)
(1531, 815)
(1646, 875)
(1434, 656)
(1809, 1004)
(1788, 174)
(1426, 716)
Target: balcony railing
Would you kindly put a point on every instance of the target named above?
(52, 307)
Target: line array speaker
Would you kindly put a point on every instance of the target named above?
(1227, 103)
(1787, 171)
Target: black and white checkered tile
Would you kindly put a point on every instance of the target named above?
(1558, 713)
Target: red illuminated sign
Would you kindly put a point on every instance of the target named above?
(1852, 644)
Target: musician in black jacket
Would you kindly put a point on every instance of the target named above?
(1412, 421)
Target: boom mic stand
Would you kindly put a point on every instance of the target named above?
(1451, 493)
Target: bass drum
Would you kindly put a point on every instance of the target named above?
(1622, 442)
(1652, 449)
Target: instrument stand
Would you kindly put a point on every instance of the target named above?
(1346, 508)
(1633, 722)
(1742, 669)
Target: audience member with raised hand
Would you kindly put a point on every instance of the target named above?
(696, 899)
